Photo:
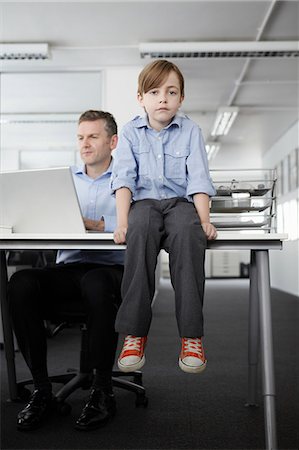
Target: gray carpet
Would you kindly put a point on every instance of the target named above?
(185, 411)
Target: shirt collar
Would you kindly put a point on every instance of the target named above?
(81, 169)
(142, 121)
(109, 170)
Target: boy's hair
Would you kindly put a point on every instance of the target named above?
(92, 115)
(154, 74)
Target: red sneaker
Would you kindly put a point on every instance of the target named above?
(192, 357)
(132, 355)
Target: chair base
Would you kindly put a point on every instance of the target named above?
(74, 380)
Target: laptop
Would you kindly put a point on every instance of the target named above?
(41, 201)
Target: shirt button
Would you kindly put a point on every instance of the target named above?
(177, 153)
(159, 156)
(160, 177)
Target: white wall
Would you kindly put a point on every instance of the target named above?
(284, 265)
(36, 121)
(120, 93)
(282, 147)
(39, 113)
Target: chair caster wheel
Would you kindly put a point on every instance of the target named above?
(138, 378)
(24, 393)
(141, 400)
(63, 408)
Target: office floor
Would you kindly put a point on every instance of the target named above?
(184, 411)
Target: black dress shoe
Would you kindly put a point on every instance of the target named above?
(99, 408)
(35, 411)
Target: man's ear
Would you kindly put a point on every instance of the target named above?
(113, 141)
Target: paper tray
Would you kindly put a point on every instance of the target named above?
(255, 182)
(239, 205)
(227, 190)
(240, 222)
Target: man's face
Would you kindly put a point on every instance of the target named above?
(94, 143)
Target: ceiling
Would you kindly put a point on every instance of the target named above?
(99, 34)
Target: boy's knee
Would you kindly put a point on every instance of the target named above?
(191, 232)
(142, 228)
(144, 218)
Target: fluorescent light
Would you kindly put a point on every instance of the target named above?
(219, 49)
(24, 51)
(212, 149)
(224, 120)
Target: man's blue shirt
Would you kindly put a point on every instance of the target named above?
(165, 164)
(95, 201)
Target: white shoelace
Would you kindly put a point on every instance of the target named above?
(132, 343)
(193, 346)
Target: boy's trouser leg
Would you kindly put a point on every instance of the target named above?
(144, 236)
(186, 243)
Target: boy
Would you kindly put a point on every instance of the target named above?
(161, 166)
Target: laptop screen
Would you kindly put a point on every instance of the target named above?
(40, 201)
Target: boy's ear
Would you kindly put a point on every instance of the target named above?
(140, 98)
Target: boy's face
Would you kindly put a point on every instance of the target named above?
(162, 103)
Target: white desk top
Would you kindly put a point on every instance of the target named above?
(104, 241)
(222, 235)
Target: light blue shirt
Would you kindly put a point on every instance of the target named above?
(95, 201)
(165, 164)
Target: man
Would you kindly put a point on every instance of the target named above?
(88, 278)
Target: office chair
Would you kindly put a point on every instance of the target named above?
(74, 379)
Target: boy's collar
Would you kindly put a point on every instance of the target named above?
(142, 121)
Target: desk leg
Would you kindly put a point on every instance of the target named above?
(253, 334)
(263, 277)
(7, 331)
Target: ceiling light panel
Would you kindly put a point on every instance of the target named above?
(24, 51)
(234, 49)
(224, 120)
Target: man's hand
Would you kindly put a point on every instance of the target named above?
(119, 235)
(210, 230)
(94, 225)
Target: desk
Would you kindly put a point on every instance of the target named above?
(260, 321)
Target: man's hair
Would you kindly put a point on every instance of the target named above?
(92, 115)
(154, 74)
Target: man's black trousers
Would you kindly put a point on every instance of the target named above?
(38, 294)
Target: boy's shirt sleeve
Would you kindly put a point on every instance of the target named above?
(124, 172)
(198, 175)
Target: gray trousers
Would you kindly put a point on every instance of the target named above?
(173, 225)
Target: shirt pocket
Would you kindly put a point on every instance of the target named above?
(175, 162)
(141, 154)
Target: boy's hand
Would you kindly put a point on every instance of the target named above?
(210, 230)
(119, 235)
